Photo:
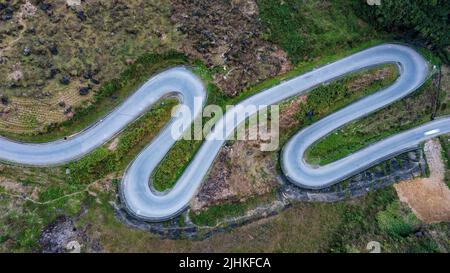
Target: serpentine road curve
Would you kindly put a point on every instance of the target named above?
(145, 203)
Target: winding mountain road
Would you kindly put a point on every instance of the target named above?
(145, 203)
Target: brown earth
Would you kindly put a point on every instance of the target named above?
(428, 198)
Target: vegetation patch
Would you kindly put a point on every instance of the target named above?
(309, 29)
(103, 161)
(410, 112)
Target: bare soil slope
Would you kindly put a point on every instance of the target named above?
(429, 198)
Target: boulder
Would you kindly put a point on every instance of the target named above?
(68, 110)
(95, 81)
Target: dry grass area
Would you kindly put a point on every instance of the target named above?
(429, 198)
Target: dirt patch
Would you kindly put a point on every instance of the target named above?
(429, 198)
(227, 35)
(64, 46)
(241, 171)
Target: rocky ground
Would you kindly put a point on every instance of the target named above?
(429, 198)
(227, 35)
(55, 54)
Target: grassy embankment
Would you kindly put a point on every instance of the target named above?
(416, 109)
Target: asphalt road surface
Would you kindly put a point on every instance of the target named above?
(145, 203)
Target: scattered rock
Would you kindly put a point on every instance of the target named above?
(55, 237)
(5, 100)
(65, 80)
(68, 110)
(229, 34)
(132, 31)
(26, 51)
(95, 81)
(6, 17)
(63, 236)
(45, 7)
(53, 73)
